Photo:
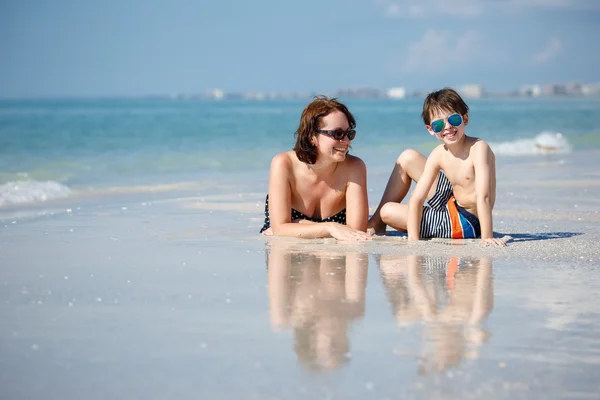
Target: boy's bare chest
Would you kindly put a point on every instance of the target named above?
(460, 173)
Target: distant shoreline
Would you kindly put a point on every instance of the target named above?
(193, 98)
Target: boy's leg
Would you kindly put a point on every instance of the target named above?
(395, 215)
(409, 167)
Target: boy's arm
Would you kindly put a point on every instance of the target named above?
(419, 195)
(483, 162)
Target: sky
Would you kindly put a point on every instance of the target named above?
(157, 47)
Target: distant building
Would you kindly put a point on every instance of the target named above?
(396, 93)
(274, 96)
(419, 93)
(252, 95)
(234, 96)
(302, 95)
(573, 88)
(216, 94)
(590, 89)
(472, 91)
(359, 93)
(530, 91)
(554, 89)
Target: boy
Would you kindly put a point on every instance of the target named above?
(458, 178)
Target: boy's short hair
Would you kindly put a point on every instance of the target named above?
(311, 120)
(446, 99)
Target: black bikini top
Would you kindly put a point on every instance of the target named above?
(339, 217)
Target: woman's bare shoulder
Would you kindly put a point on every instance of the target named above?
(354, 167)
(354, 162)
(284, 160)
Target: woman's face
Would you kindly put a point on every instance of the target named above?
(330, 148)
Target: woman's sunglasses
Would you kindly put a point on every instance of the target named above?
(338, 134)
(438, 124)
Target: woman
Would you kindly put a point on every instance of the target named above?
(318, 190)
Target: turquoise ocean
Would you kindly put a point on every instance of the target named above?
(131, 264)
(109, 148)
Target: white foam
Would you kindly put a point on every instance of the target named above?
(546, 142)
(27, 192)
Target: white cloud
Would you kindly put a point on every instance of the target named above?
(472, 8)
(565, 4)
(423, 8)
(392, 10)
(438, 50)
(544, 3)
(548, 53)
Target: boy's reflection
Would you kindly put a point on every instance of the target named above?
(318, 294)
(450, 295)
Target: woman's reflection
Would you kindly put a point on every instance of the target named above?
(318, 294)
(451, 295)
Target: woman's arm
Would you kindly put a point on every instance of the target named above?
(357, 202)
(280, 204)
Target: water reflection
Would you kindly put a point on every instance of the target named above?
(317, 294)
(451, 296)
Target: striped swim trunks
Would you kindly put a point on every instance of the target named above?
(444, 218)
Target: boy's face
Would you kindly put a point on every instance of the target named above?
(447, 126)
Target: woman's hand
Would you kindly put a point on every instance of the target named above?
(335, 230)
(269, 231)
(344, 232)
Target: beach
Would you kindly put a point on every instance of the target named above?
(138, 278)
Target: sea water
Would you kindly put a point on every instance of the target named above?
(131, 265)
(53, 149)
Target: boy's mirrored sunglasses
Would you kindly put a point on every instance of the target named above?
(438, 124)
(338, 134)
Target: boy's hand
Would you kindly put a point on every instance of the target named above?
(376, 226)
(375, 232)
(496, 242)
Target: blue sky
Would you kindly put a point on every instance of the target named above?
(143, 47)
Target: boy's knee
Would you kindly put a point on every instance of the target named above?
(407, 157)
(386, 213)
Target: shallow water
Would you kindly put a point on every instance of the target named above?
(147, 302)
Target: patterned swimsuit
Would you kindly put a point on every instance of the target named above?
(444, 218)
(339, 217)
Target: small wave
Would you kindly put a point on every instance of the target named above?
(544, 143)
(27, 192)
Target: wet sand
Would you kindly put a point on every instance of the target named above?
(180, 298)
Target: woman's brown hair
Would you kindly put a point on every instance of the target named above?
(311, 120)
